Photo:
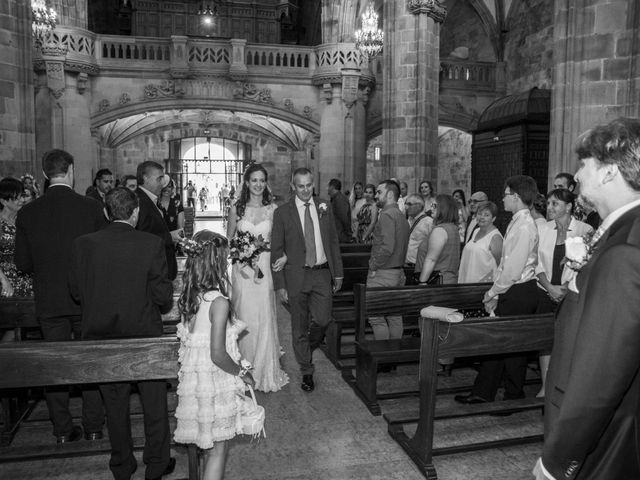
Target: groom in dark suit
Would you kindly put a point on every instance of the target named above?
(592, 406)
(305, 231)
(119, 276)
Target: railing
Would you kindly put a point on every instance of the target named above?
(185, 55)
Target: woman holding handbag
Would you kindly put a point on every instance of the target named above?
(212, 380)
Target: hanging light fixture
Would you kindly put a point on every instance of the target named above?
(369, 39)
(44, 20)
(207, 13)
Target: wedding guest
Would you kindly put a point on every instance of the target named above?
(420, 225)
(592, 422)
(31, 184)
(212, 375)
(367, 216)
(428, 196)
(172, 211)
(539, 210)
(356, 201)
(438, 256)
(481, 255)
(404, 190)
(13, 282)
(103, 183)
(553, 275)
(513, 292)
(341, 210)
(565, 181)
(130, 182)
(119, 277)
(472, 224)
(151, 179)
(463, 212)
(45, 231)
(389, 250)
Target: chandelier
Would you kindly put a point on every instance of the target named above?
(207, 13)
(44, 20)
(369, 39)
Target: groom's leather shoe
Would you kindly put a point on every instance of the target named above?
(469, 399)
(167, 471)
(307, 383)
(73, 436)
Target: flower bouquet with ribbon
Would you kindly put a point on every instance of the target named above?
(245, 248)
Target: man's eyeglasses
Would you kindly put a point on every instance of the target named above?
(474, 201)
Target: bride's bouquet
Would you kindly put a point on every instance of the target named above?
(245, 248)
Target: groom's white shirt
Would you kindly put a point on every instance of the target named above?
(321, 257)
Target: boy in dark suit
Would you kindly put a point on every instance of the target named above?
(45, 229)
(119, 276)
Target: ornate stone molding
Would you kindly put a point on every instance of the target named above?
(248, 91)
(432, 8)
(168, 89)
(55, 78)
(82, 81)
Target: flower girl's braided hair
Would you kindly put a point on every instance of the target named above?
(205, 270)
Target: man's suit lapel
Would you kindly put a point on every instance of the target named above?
(296, 217)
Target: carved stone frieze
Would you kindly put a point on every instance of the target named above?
(168, 89)
(432, 8)
(81, 67)
(81, 83)
(104, 105)
(124, 99)
(55, 78)
(248, 91)
(288, 104)
(307, 111)
(322, 79)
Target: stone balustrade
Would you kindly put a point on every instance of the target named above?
(86, 51)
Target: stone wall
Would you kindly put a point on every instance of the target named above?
(17, 132)
(528, 49)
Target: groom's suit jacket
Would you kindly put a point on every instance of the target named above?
(592, 404)
(287, 237)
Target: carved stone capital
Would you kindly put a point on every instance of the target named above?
(432, 8)
(81, 83)
(55, 78)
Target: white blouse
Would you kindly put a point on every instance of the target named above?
(478, 265)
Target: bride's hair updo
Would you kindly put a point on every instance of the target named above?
(244, 192)
(205, 270)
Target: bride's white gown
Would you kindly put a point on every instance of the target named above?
(255, 304)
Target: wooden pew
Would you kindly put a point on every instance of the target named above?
(470, 338)
(40, 364)
(405, 301)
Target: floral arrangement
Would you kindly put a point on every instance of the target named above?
(322, 208)
(245, 248)
(578, 250)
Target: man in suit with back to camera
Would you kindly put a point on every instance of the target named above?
(119, 276)
(304, 230)
(45, 230)
(341, 211)
(592, 399)
(151, 179)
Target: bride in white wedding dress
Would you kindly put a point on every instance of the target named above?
(254, 298)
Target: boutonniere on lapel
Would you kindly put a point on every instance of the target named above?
(322, 209)
(579, 250)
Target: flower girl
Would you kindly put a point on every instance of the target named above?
(212, 378)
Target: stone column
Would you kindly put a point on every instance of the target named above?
(410, 91)
(63, 115)
(17, 143)
(342, 147)
(597, 74)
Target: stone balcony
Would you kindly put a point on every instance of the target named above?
(187, 57)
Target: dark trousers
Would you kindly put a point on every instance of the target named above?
(156, 455)
(60, 329)
(520, 299)
(310, 316)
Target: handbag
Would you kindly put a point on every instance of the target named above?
(252, 415)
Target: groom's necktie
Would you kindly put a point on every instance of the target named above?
(309, 237)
